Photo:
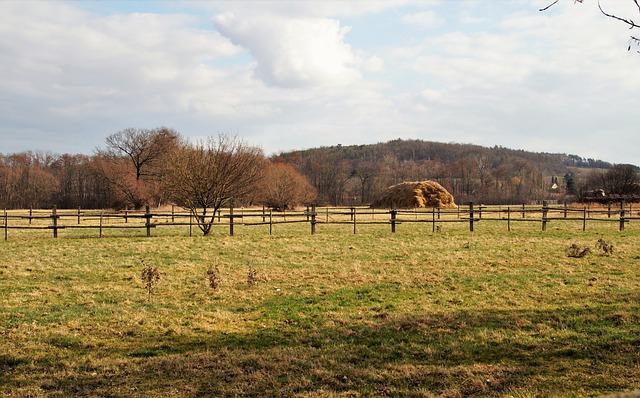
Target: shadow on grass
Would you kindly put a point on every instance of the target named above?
(588, 350)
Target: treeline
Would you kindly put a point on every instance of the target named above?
(139, 167)
(43, 180)
(358, 174)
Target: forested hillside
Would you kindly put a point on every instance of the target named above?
(357, 174)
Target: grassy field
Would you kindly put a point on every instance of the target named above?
(410, 314)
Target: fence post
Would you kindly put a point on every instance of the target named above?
(101, 224)
(54, 216)
(147, 222)
(433, 219)
(126, 215)
(394, 212)
(30, 214)
(6, 225)
(622, 216)
(584, 219)
(545, 210)
(270, 221)
(523, 211)
(565, 209)
(190, 224)
(231, 220)
(470, 216)
(313, 219)
(509, 219)
(609, 210)
(78, 215)
(353, 218)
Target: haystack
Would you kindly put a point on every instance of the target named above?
(409, 195)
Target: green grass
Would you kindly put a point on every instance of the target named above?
(411, 314)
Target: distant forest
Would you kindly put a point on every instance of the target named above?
(358, 174)
(336, 175)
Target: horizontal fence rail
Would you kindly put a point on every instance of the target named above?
(56, 220)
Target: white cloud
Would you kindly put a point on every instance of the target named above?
(423, 19)
(294, 52)
(65, 70)
(253, 9)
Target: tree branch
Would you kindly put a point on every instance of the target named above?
(549, 6)
(627, 21)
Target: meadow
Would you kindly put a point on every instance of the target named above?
(417, 313)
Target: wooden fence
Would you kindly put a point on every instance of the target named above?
(100, 221)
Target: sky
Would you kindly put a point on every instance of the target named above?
(288, 75)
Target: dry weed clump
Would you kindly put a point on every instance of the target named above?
(213, 276)
(150, 277)
(577, 251)
(252, 276)
(607, 248)
(419, 194)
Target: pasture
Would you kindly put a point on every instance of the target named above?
(416, 313)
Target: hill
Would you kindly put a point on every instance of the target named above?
(357, 174)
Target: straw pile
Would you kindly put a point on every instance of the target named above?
(409, 195)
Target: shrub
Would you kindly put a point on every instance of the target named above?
(607, 248)
(213, 276)
(252, 276)
(576, 251)
(150, 277)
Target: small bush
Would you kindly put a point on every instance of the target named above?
(213, 276)
(150, 277)
(252, 276)
(576, 251)
(607, 248)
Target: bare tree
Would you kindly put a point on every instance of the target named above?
(366, 175)
(144, 147)
(283, 187)
(328, 172)
(208, 175)
(620, 180)
(134, 162)
(128, 191)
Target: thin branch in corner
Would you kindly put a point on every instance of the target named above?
(549, 6)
